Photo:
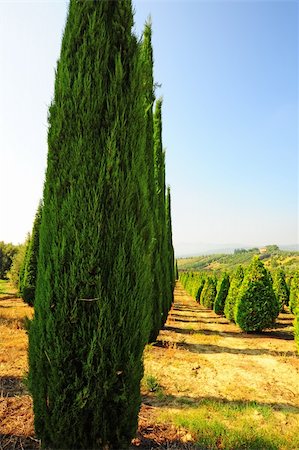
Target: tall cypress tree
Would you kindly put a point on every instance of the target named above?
(170, 254)
(92, 307)
(164, 255)
(30, 269)
(154, 209)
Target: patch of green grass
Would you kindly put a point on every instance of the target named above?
(151, 383)
(237, 425)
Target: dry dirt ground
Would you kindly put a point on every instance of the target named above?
(198, 355)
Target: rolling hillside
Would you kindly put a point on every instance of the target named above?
(271, 255)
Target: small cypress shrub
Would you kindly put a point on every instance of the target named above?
(294, 292)
(209, 292)
(280, 288)
(230, 302)
(257, 306)
(30, 269)
(222, 292)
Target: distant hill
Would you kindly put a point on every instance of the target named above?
(271, 255)
(188, 250)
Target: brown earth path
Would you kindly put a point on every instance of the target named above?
(198, 355)
(211, 357)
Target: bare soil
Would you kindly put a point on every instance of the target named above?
(198, 355)
(207, 356)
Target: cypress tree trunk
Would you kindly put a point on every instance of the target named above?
(92, 304)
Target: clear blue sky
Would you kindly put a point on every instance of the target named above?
(229, 75)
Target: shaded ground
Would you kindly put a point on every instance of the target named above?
(198, 357)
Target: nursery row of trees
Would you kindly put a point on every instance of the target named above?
(99, 266)
(251, 297)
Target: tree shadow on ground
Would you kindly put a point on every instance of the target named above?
(284, 335)
(177, 401)
(178, 319)
(7, 296)
(12, 387)
(14, 442)
(195, 310)
(211, 348)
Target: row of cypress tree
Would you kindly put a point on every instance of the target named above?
(251, 298)
(105, 266)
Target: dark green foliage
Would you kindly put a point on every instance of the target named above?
(294, 292)
(230, 302)
(209, 292)
(257, 306)
(222, 292)
(94, 286)
(29, 270)
(280, 288)
(7, 253)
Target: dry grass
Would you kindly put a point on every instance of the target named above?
(212, 376)
(16, 416)
(206, 383)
